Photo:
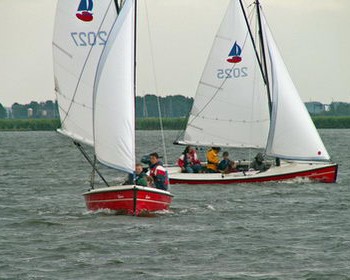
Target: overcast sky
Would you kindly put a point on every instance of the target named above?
(313, 37)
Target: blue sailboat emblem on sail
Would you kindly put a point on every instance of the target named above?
(84, 12)
(235, 54)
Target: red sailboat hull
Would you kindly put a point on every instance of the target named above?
(128, 200)
(326, 173)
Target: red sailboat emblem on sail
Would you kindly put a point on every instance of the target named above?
(84, 12)
(235, 54)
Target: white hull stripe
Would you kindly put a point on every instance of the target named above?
(127, 199)
(320, 174)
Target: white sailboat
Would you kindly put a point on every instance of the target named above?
(95, 75)
(246, 99)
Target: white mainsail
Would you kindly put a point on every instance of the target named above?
(81, 31)
(293, 134)
(114, 108)
(230, 107)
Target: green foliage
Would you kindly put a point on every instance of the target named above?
(154, 124)
(149, 123)
(171, 106)
(336, 109)
(29, 124)
(331, 122)
(3, 113)
(19, 111)
(47, 110)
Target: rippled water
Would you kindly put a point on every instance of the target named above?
(291, 230)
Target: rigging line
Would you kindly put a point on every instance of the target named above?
(84, 66)
(81, 149)
(156, 85)
(92, 178)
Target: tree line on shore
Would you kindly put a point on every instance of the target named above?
(174, 111)
(149, 106)
(149, 123)
(146, 107)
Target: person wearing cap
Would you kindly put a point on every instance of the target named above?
(213, 159)
(259, 163)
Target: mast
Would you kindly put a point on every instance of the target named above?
(135, 49)
(135, 76)
(262, 47)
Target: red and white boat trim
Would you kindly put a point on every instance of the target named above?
(321, 172)
(129, 200)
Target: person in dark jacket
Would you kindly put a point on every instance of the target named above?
(259, 163)
(226, 165)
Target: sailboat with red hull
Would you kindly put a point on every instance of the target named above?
(95, 77)
(246, 99)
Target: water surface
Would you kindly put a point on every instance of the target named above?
(290, 230)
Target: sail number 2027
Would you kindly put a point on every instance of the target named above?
(84, 39)
(232, 73)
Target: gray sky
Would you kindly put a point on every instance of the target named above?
(312, 35)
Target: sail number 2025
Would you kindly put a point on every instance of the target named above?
(84, 39)
(232, 73)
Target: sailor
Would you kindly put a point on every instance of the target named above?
(189, 162)
(158, 173)
(139, 177)
(213, 160)
(226, 165)
(259, 163)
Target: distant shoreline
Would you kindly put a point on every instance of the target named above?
(321, 122)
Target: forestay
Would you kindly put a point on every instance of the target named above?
(293, 134)
(231, 106)
(114, 114)
(81, 31)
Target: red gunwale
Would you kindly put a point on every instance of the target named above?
(326, 174)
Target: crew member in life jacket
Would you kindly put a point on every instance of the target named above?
(158, 173)
(213, 160)
(139, 178)
(189, 162)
